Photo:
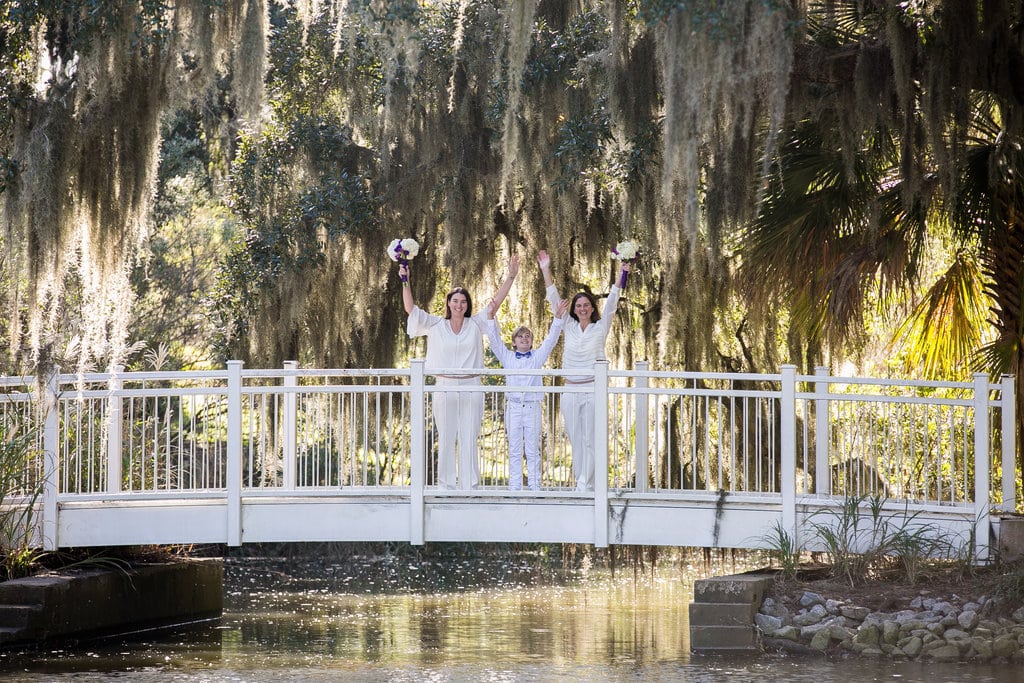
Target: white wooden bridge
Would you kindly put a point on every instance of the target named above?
(690, 459)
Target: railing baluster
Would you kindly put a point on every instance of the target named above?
(981, 469)
(601, 454)
(51, 454)
(787, 436)
(288, 447)
(640, 444)
(1008, 430)
(234, 454)
(417, 451)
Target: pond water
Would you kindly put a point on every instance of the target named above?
(400, 619)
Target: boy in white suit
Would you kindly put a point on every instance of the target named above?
(523, 409)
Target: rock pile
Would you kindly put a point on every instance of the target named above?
(932, 629)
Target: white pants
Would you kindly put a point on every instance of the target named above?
(578, 414)
(457, 416)
(522, 424)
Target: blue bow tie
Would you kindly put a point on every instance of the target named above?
(520, 354)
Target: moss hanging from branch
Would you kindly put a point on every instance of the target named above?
(86, 147)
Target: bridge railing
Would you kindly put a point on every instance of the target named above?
(236, 431)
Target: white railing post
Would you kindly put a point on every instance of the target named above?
(640, 443)
(417, 451)
(981, 467)
(822, 480)
(787, 448)
(1008, 413)
(114, 431)
(288, 448)
(233, 474)
(51, 459)
(601, 472)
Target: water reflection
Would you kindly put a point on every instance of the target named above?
(391, 620)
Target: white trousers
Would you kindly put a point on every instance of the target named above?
(522, 424)
(457, 416)
(578, 414)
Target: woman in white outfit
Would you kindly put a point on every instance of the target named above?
(586, 332)
(454, 341)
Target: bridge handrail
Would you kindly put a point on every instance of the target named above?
(775, 419)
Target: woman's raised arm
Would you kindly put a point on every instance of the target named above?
(506, 286)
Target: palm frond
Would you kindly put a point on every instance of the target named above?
(944, 330)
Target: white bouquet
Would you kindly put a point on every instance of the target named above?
(403, 250)
(625, 250)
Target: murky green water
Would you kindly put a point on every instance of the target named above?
(479, 621)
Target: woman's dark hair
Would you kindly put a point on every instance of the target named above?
(448, 299)
(595, 316)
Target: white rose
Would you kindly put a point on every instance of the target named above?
(393, 249)
(411, 247)
(626, 250)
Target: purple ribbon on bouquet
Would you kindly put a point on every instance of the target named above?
(402, 255)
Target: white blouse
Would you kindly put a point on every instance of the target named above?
(584, 346)
(445, 348)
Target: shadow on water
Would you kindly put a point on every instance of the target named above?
(411, 617)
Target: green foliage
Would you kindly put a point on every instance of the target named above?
(711, 16)
(860, 544)
(192, 232)
(782, 548)
(18, 496)
(296, 191)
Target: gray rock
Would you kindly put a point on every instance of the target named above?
(810, 599)
(854, 613)
(1004, 646)
(968, 619)
(788, 633)
(954, 634)
(841, 633)
(981, 649)
(991, 625)
(912, 646)
(911, 625)
(1018, 615)
(808, 632)
(945, 653)
(821, 640)
(767, 623)
(812, 616)
(833, 606)
(890, 632)
(868, 634)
